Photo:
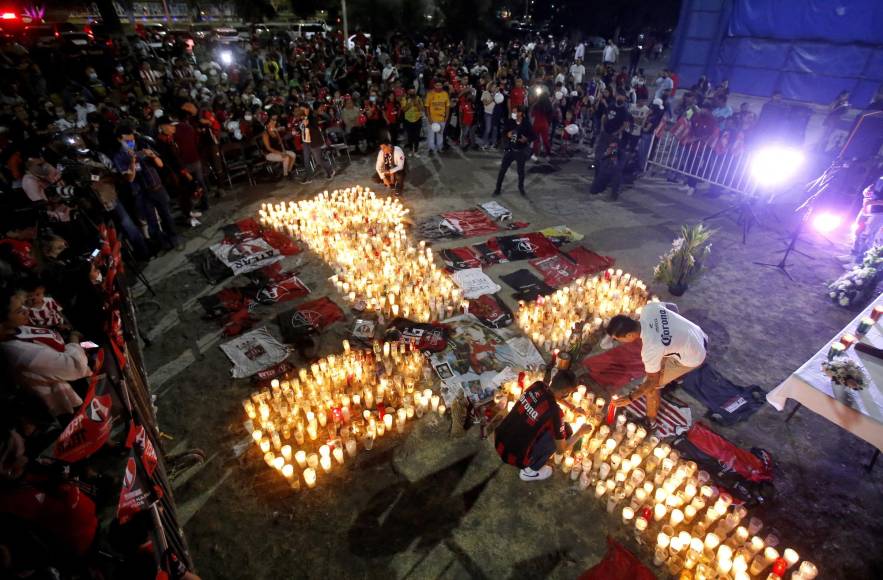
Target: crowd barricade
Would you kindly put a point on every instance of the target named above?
(130, 440)
(714, 161)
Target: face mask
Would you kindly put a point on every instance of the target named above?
(120, 69)
(129, 144)
(247, 117)
(93, 76)
(515, 116)
(98, 278)
(373, 98)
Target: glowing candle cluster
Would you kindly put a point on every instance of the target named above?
(308, 424)
(582, 307)
(700, 533)
(362, 237)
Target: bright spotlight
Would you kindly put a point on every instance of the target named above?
(827, 222)
(226, 57)
(775, 164)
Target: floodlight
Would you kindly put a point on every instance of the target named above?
(226, 57)
(827, 222)
(775, 164)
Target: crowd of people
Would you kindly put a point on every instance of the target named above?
(144, 142)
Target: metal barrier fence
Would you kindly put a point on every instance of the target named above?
(698, 160)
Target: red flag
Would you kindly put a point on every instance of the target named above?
(139, 490)
(90, 428)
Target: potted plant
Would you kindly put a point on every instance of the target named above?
(682, 264)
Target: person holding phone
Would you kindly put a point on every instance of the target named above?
(517, 137)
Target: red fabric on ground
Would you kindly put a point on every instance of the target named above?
(589, 261)
(617, 367)
(743, 462)
(557, 270)
(472, 222)
(618, 564)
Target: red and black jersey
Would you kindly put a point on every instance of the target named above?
(534, 414)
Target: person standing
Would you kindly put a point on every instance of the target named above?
(610, 54)
(139, 166)
(535, 428)
(187, 140)
(392, 114)
(634, 59)
(578, 72)
(671, 346)
(412, 109)
(579, 53)
(438, 107)
(488, 104)
(466, 118)
(664, 85)
(518, 135)
(613, 124)
(312, 142)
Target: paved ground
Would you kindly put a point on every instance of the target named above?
(423, 506)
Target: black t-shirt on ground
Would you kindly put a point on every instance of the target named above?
(536, 412)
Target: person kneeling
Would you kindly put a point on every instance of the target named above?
(535, 428)
(391, 166)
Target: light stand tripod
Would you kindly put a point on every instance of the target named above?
(817, 188)
(744, 215)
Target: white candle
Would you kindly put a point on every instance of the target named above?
(325, 462)
(310, 477)
(338, 455)
(627, 515)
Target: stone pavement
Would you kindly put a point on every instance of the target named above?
(424, 506)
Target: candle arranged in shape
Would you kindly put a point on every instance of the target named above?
(362, 237)
(573, 313)
(317, 419)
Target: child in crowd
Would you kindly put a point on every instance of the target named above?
(43, 311)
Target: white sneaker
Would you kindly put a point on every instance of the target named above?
(534, 158)
(528, 474)
(195, 223)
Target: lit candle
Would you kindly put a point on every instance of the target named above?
(301, 457)
(338, 455)
(286, 452)
(351, 447)
(325, 462)
(677, 516)
(763, 560)
(288, 471)
(791, 557)
(627, 515)
(434, 401)
(808, 570)
(310, 477)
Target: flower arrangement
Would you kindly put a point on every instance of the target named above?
(857, 284)
(682, 264)
(853, 286)
(847, 373)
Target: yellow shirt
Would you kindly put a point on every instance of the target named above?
(437, 105)
(412, 109)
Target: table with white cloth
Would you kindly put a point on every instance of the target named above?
(859, 412)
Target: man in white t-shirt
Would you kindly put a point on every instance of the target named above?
(580, 51)
(611, 53)
(578, 72)
(671, 346)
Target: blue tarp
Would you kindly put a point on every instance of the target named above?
(810, 50)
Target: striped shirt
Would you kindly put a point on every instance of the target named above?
(47, 316)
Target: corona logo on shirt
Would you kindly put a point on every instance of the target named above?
(666, 333)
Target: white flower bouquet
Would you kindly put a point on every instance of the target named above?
(853, 286)
(846, 372)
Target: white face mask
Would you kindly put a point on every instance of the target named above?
(247, 117)
(515, 116)
(98, 278)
